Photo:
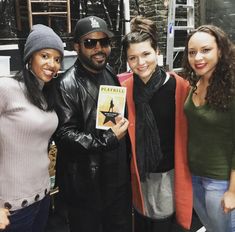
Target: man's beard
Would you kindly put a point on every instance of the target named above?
(90, 64)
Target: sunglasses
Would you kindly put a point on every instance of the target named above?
(92, 43)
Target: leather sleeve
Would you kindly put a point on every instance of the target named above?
(73, 135)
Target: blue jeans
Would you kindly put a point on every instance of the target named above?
(30, 219)
(207, 195)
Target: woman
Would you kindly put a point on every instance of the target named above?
(4, 221)
(209, 63)
(161, 182)
(27, 123)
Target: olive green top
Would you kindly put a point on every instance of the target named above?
(211, 141)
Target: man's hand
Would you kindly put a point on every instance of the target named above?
(120, 128)
(4, 221)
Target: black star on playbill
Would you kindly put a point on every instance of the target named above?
(109, 116)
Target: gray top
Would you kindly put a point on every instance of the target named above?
(24, 134)
(158, 193)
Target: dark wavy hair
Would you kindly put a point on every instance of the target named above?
(142, 29)
(221, 87)
(34, 93)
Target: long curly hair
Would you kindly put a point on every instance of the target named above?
(221, 89)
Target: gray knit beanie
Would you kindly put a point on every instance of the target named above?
(41, 37)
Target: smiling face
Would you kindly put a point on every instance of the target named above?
(142, 59)
(95, 57)
(203, 54)
(45, 64)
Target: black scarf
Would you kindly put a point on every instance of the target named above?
(148, 149)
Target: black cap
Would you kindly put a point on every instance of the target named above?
(88, 25)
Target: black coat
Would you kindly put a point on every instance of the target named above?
(80, 145)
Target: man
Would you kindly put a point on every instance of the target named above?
(93, 165)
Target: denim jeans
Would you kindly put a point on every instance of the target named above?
(207, 195)
(30, 219)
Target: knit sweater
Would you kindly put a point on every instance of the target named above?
(25, 131)
(211, 140)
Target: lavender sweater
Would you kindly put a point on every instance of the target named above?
(24, 134)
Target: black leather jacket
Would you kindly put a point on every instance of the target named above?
(80, 145)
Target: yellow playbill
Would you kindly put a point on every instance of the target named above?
(110, 106)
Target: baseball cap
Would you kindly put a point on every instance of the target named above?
(90, 24)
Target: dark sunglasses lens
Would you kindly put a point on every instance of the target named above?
(91, 43)
(105, 42)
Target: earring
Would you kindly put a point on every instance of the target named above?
(28, 66)
(56, 75)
